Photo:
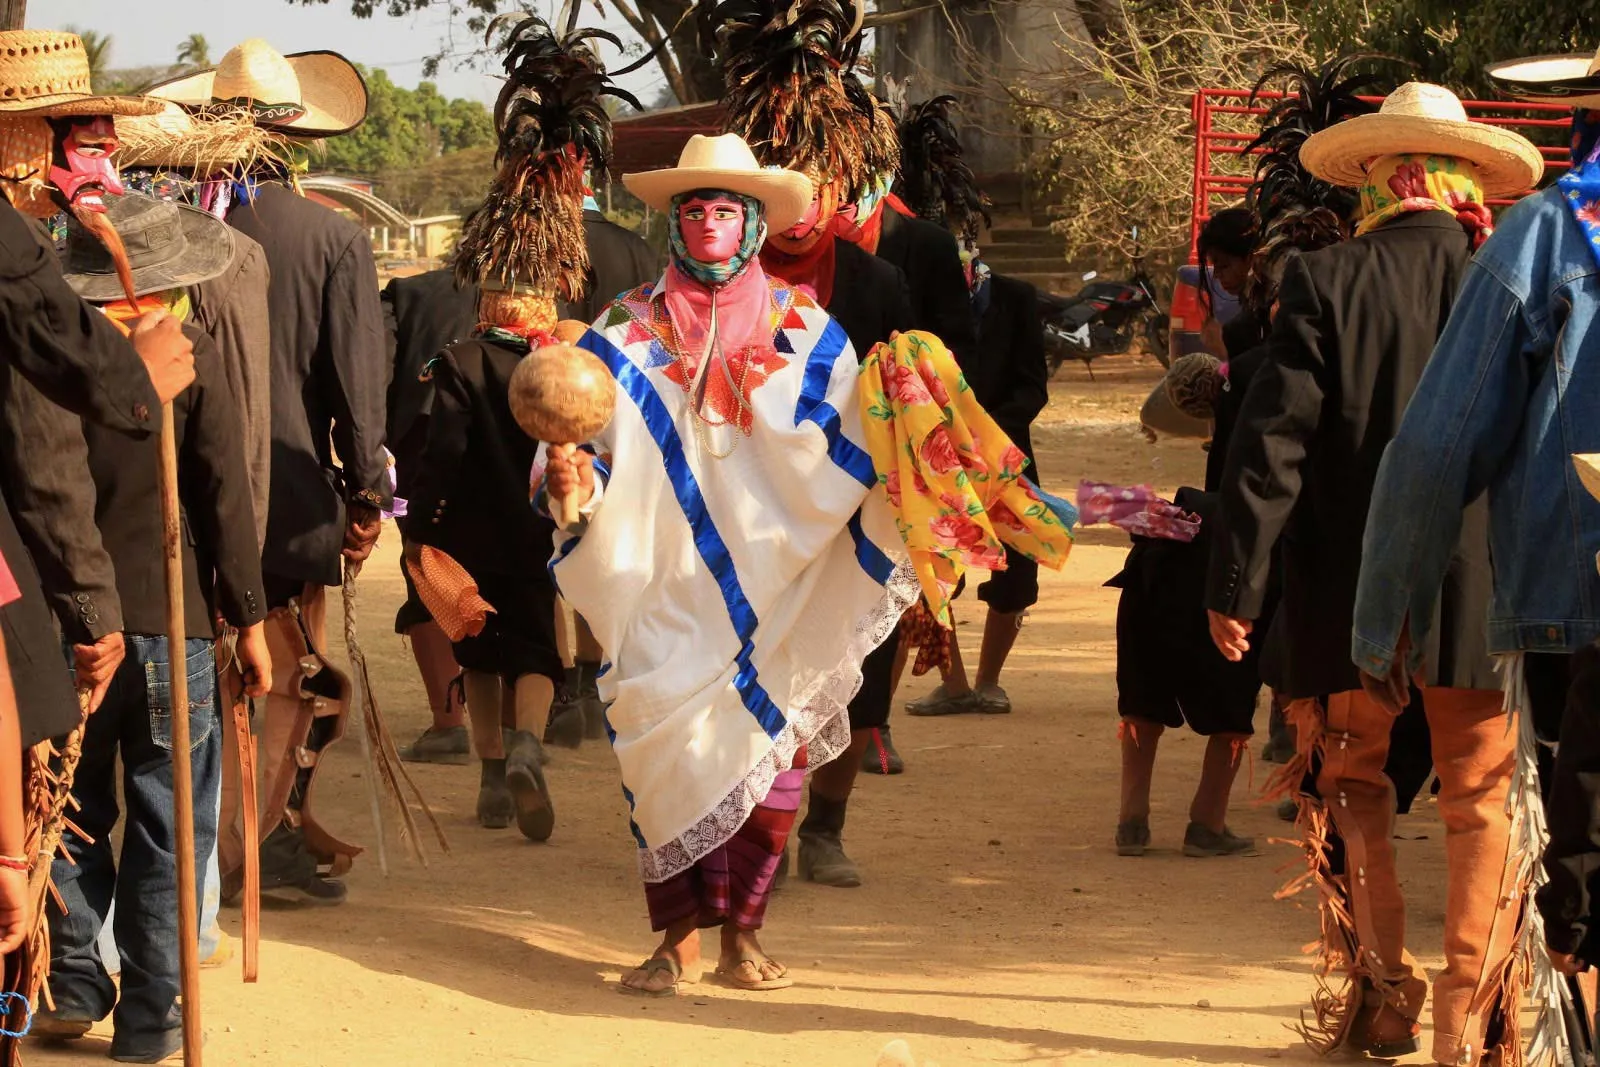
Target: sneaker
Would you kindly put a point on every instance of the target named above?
(880, 756)
(1202, 843)
(147, 1048)
(1133, 837)
(992, 700)
(448, 745)
(59, 1025)
(940, 702)
(536, 816)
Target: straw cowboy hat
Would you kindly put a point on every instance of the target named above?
(46, 74)
(202, 142)
(1571, 80)
(169, 245)
(307, 94)
(726, 162)
(1423, 119)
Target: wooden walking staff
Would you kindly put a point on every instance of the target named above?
(178, 681)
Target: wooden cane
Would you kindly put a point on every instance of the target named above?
(182, 780)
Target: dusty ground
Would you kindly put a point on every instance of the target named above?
(996, 926)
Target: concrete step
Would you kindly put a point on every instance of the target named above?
(1025, 264)
(1012, 231)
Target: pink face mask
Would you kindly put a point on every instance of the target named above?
(808, 222)
(80, 162)
(713, 230)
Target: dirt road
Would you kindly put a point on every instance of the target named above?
(996, 924)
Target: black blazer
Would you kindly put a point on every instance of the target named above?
(330, 373)
(470, 494)
(1007, 372)
(1356, 324)
(619, 261)
(423, 315)
(931, 260)
(870, 297)
(221, 564)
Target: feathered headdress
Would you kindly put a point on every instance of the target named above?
(552, 124)
(1296, 211)
(782, 88)
(935, 180)
(881, 145)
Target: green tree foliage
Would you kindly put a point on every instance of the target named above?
(407, 129)
(194, 52)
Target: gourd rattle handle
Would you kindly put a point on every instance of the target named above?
(567, 506)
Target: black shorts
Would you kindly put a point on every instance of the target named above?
(870, 709)
(1168, 670)
(1015, 589)
(519, 636)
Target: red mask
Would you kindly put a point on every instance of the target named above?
(80, 162)
(713, 230)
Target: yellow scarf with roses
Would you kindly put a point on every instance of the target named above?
(955, 480)
(1398, 185)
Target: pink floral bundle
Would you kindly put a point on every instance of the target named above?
(1136, 509)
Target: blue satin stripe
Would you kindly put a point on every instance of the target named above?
(879, 567)
(812, 407)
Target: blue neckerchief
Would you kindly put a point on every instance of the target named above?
(1581, 185)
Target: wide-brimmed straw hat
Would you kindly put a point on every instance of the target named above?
(202, 142)
(169, 245)
(726, 162)
(1573, 80)
(46, 74)
(1423, 119)
(307, 94)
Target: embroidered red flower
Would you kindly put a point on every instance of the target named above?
(905, 385)
(1589, 212)
(1410, 180)
(935, 384)
(939, 453)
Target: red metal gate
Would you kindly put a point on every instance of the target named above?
(1224, 122)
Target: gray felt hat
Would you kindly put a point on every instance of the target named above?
(170, 246)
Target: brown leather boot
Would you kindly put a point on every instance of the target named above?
(1386, 1025)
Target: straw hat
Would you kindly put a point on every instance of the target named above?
(726, 162)
(46, 74)
(1423, 119)
(170, 246)
(1571, 80)
(203, 142)
(307, 94)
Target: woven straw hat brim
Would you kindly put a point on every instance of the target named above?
(207, 253)
(67, 105)
(1569, 80)
(203, 143)
(786, 194)
(1507, 163)
(332, 92)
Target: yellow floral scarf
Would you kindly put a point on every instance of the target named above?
(954, 479)
(1398, 185)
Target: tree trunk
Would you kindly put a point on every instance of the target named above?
(12, 14)
(689, 42)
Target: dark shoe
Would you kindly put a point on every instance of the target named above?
(823, 861)
(940, 702)
(594, 717)
(880, 756)
(289, 871)
(992, 700)
(147, 1048)
(496, 809)
(1133, 837)
(1280, 749)
(449, 746)
(60, 1025)
(1201, 843)
(1288, 810)
(566, 725)
(536, 816)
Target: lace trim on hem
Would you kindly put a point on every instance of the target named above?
(822, 724)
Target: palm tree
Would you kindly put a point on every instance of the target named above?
(194, 51)
(97, 49)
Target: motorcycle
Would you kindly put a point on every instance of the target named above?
(1103, 318)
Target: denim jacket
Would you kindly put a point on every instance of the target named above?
(1511, 393)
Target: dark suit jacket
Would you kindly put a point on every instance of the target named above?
(330, 371)
(931, 260)
(221, 564)
(619, 261)
(1007, 370)
(870, 297)
(470, 492)
(423, 315)
(1356, 324)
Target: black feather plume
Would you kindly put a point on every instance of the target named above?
(552, 124)
(935, 180)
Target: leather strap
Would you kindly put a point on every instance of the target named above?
(245, 746)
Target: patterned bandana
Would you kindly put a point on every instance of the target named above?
(1581, 184)
(718, 274)
(1399, 185)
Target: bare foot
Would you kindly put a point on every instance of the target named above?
(680, 946)
(744, 964)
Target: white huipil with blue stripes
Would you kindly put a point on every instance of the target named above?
(735, 597)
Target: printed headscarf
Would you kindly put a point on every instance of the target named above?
(718, 274)
(1398, 185)
(1580, 186)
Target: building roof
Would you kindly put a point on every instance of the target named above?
(654, 139)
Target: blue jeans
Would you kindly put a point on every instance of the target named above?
(135, 719)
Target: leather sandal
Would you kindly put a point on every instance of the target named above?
(655, 965)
